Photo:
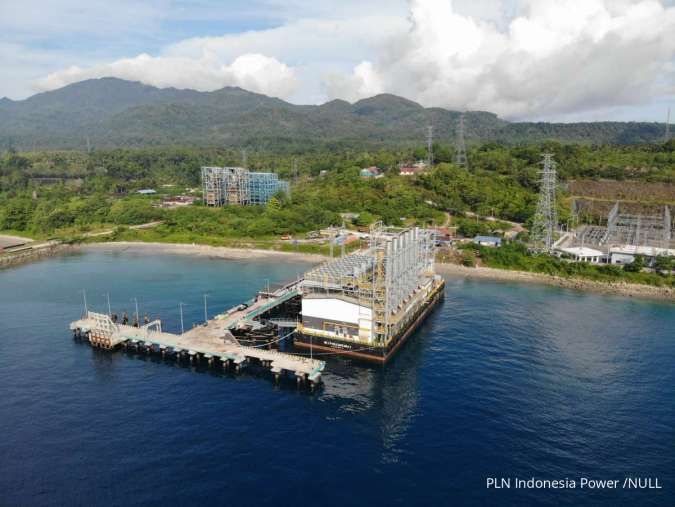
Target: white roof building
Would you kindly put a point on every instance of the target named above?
(647, 251)
(626, 254)
(582, 253)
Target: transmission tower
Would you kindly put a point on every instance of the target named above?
(460, 147)
(546, 217)
(430, 146)
(666, 138)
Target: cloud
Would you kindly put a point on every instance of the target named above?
(252, 71)
(523, 59)
(556, 57)
(364, 81)
(289, 59)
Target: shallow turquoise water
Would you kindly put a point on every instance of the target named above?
(503, 380)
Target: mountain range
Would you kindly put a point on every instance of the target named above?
(113, 113)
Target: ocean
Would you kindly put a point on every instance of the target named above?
(502, 382)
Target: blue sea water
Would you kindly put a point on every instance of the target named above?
(503, 380)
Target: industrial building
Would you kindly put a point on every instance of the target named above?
(225, 186)
(366, 304)
(625, 236)
(581, 254)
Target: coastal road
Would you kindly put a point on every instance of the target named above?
(7, 240)
(108, 232)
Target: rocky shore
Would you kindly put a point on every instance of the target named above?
(617, 288)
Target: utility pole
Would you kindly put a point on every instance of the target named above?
(135, 300)
(206, 314)
(244, 158)
(666, 137)
(182, 329)
(460, 147)
(84, 296)
(108, 297)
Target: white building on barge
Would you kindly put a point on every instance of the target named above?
(366, 304)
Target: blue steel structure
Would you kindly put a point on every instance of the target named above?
(224, 186)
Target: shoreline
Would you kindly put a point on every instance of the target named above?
(632, 290)
(230, 253)
(485, 273)
(197, 250)
(10, 239)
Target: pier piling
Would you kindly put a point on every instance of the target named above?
(210, 342)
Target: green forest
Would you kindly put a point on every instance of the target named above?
(53, 193)
(66, 194)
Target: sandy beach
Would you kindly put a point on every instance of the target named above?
(220, 252)
(452, 270)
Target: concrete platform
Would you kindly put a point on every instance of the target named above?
(210, 341)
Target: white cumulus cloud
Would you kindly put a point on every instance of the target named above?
(252, 71)
(555, 57)
(523, 59)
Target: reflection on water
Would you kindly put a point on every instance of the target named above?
(390, 392)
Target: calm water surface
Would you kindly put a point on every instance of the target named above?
(503, 380)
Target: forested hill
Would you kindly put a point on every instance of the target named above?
(111, 113)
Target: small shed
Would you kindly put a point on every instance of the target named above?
(492, 241)
(371, 172)
(410, 170)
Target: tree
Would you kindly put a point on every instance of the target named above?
(364, 219)
(664, 264)
(469, 259)
(133, 211)
(273, 204)
(17, 214)
(635, 266)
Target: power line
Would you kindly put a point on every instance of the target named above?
(666, 137)
(460, 147)
(430, 145)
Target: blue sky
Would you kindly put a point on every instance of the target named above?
(563, 60)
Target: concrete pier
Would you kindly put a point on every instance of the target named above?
(211, 341)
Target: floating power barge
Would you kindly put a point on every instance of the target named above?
(367, 304)
(364, 305)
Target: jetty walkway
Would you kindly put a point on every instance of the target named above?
(211, 343)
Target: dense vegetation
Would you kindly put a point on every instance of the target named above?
(65, 194)
(84, 191)
(109, 113)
